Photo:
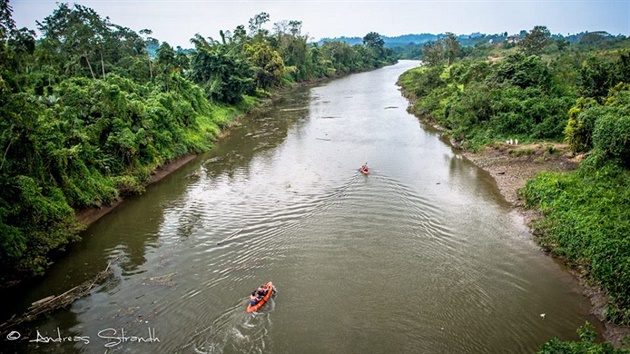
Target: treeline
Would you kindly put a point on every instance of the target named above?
(480, 44)
(541, 91)
(87, 113)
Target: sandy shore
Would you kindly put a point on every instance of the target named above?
(512, 166)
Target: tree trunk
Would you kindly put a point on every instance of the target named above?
(4, 157)
(102, 65)
(89, 66)
(150, 69)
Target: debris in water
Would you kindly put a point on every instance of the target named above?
(52, 303)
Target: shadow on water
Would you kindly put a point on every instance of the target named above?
(284, 193)
(463, 173)
(133, 228)
(261, 131)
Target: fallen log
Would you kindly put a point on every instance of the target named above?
(52, 303)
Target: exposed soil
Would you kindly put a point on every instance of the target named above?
(512, 166)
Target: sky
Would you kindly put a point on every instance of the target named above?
(177, 21)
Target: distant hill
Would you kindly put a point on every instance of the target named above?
(406, 39)
(389, 41)
(465, 39)
(152, 49)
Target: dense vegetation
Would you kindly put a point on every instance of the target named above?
(89, 112)
(547, 90)
(586, 345)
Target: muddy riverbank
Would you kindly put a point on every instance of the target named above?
(512, 166)
(88, 216)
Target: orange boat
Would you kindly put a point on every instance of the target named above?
(364, 169)
(270, 291)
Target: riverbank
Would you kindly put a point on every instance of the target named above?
(86, 217)
(512, 166)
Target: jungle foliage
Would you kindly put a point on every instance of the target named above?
(91, 109)
(586, 345)
(543, 90)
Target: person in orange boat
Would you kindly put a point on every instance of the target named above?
(262, 291)
(253, 298)
(364, 168)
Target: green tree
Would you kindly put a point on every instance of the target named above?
(592, 38)
(375, 43)
(293, 48)
(149, 41)
(224, 74)
(578, 132)
(562, 44)
(586, 344)
(596, 77)
(452, 47)
(74, 35)
(611, 134)
(240, 35)
(166, 63)
(256, 23)
(433, 53)
(339, 57)
(523, 71)
(79, 40)
(621, 71)
(268, 63)
(535, 41)
(6, 20)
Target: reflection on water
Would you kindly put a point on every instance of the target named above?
(423, 255)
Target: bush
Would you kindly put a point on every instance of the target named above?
(587, 222)
(612, 136)
(586, 345)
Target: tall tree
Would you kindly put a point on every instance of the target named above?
(149, 41)
(222, 71)
(374, 41)
(256, 23)
(80, 41)
(293, 48)
(452, 47)
(166, 63)
(240, 35)
(268, 62)
(6, 20)
(535, 41)
(433, 53)
(74, 35)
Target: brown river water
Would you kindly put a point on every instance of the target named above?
(421, 256)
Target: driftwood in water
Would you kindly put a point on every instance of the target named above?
(52, 303)
(229, 237)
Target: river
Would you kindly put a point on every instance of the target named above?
(421, 256)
